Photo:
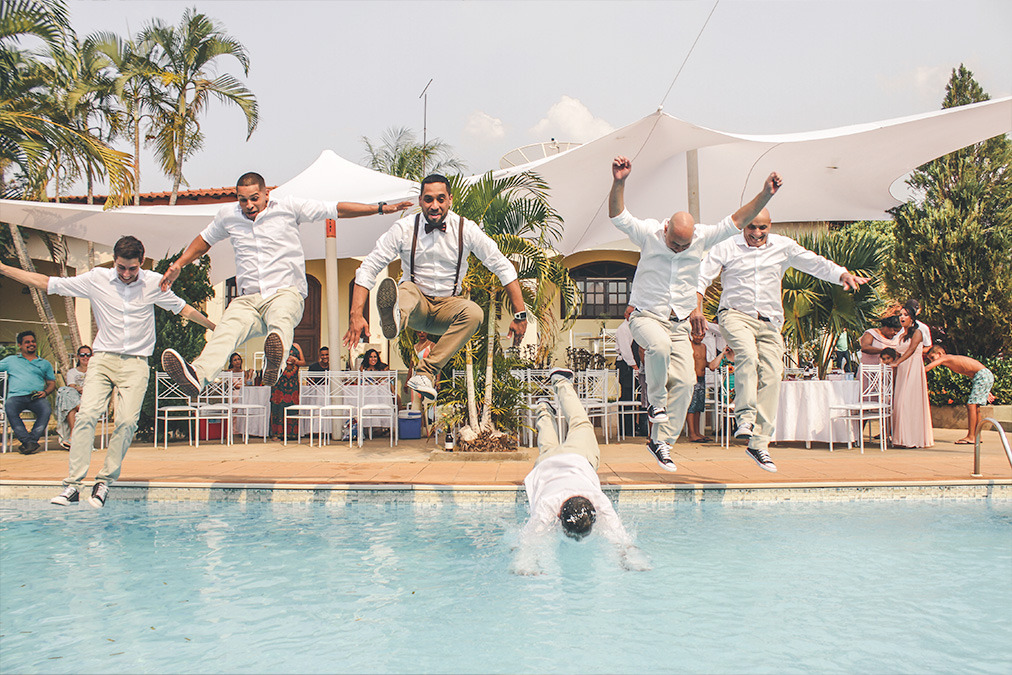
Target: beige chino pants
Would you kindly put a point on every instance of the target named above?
(247, 317)
(453, 318)
(669, 368)
(580, 438)
(129, 376)
(758, 368)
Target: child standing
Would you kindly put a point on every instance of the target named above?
(698, 402)
(980, 391)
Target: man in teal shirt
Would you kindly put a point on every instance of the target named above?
(29, 380)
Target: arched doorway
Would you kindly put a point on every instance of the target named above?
(307, 333)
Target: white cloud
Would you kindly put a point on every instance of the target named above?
(932, 79)
(570, 120)
(482, 126)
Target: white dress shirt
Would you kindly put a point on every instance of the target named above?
(435, 255)
(750, 275)
(558, 478)
(125, 313)
(268, 250)
(665, 281)
(925, 334)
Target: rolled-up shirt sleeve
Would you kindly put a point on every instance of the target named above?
(487, 251)
(711, 266)
(214, 232)
(802, 259)
(312, 211)
(386, 250)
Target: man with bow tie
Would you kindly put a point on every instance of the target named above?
(433, 247)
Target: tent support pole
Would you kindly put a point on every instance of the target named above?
(692, 175)
(333, 319)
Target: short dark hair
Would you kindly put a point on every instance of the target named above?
(435, 178)
(577, 516)
(251, 178)
(324, 349)
(129, 248)
(890, 352)
(891, 322)
(25, 333)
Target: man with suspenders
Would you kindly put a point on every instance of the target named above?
(433, 247)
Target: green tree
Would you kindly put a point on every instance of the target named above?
(187, 57)
(171, 330)
(953, 248)
(515, 212)
(400, 154)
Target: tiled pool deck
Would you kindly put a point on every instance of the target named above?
(298, 472)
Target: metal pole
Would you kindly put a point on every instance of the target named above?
(333, 319)
(425, 123)
(692, 175)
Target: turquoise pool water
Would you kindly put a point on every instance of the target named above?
(883, 586)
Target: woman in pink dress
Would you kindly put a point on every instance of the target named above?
(911, 411)
(875, 340)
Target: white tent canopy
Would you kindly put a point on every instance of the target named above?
(167, 229)
(837, 174)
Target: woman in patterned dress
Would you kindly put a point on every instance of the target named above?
(285, 392)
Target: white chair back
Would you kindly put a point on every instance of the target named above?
(3, 411)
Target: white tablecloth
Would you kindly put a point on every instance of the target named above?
(374, 394)
(803, 413)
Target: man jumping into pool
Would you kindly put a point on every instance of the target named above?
(563, 488)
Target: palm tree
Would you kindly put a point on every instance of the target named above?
(186, 56)
(514, 211)
(400, 154)
(818, 312)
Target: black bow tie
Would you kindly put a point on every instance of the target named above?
(441, 226)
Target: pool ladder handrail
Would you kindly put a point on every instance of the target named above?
(976, 443)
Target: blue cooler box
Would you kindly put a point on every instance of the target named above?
(409, 424)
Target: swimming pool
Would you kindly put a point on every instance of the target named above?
(875, 586)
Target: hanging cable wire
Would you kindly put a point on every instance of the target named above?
(686, 60)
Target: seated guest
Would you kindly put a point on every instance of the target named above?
(235, 366)
(371, 361)
(68, 397)
(30, 379)
(323, 365)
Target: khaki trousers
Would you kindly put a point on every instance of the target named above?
(247, 317)
(669, 368)
(580, 439)
(758, 369)
(454, 318)
(129, 376)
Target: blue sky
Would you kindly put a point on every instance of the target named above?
(506, 74)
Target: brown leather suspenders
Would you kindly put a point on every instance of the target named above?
(460, 250)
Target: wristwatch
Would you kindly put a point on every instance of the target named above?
(380, 208)
(520, 316)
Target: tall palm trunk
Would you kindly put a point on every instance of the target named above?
(137, 151)
(58, 250)
(41, 303)
(486, 411)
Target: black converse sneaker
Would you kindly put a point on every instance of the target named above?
(181, 372)
(661, 452)
(762, 458)
(389, 312)
(743, 434)
(99, 493)
(274, 358)
(656, 415)
(69, 496)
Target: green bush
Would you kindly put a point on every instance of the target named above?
(948, 388)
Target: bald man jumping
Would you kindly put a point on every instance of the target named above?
(663, 298)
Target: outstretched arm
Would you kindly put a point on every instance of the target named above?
(33, 279)
(621, 167)
(356, 320)
(197, 248)
(745, 214)
(355, 209)
(191, 314)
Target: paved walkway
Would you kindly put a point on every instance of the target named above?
(621, 464)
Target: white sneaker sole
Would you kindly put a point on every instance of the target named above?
(427, 392)
(175, 366)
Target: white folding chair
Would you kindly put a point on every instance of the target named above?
(342, 406)
(631, 407)
(313, 394)
(246, 412)
(593, 388)
(214, 402)
(609, 347)
(172, 405)
(724, 406)
(377, 401)
(875, 404)
(3, 410)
